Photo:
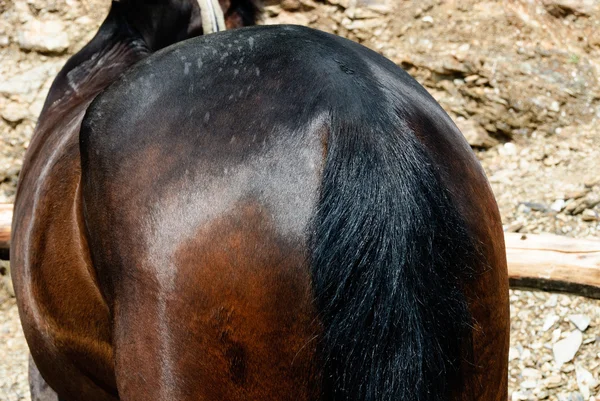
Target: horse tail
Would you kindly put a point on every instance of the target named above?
(390, 256)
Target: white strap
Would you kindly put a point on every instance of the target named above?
(212, 16)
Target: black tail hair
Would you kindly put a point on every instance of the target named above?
(390, 254)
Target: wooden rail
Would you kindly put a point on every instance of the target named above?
(554, 263)
(544, 262)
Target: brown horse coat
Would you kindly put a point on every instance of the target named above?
(189, 239)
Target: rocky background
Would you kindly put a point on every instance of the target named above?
(519, 77)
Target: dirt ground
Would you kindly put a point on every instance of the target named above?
(520, 78)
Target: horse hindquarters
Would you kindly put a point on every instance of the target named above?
(216, 222)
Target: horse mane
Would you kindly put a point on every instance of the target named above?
(390, 256)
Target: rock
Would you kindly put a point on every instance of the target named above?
(43, 36)
(272, 10)
(576, 396)
(556, 335)
(585, 381)
(475, 135)
(290, 5)
(514, 227)
(14, 112)
(529, 384)
(532, 374)
(580, 321)
(542, 395)
(27, 83)
(8, 285)
(592, 200)
(508, 149)
(519, 396)
(562, 8)
(513, 353)
(341, 3)
(549, 322)
(565, 349)
(553, 381)
(575, 206)
(589, 215)
(552, 301)
(577, 194)
(536, 206)
(558, 205)
(552, 161)
(428, 19)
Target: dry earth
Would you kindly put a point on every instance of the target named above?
(520, 77)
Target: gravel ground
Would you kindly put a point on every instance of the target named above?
(518, 77)
(13, 348)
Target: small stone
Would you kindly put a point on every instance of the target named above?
(529, 384)
(14, 112)
(589, 215)
(536, 206)
(592, 200)
(272, 10)
(542, 395)
(475, 135)
(84, 20)
(553, 381)
(576, 194)
(585, 381)
(531, 373)
(549, 322)
(526, 354)
(565, 349)
(556, 335)
(576, 396)
(575, 206)
(290, 5)
(513, 227)
(558, 205)
(28, 83)
(43, 36)
(580, 321)
(552, 301)
(428, 19)
(509, 149)
(519, 396)
(513, 353)
(552, 161)
(562, 8)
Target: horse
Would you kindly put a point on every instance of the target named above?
(264, 213)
